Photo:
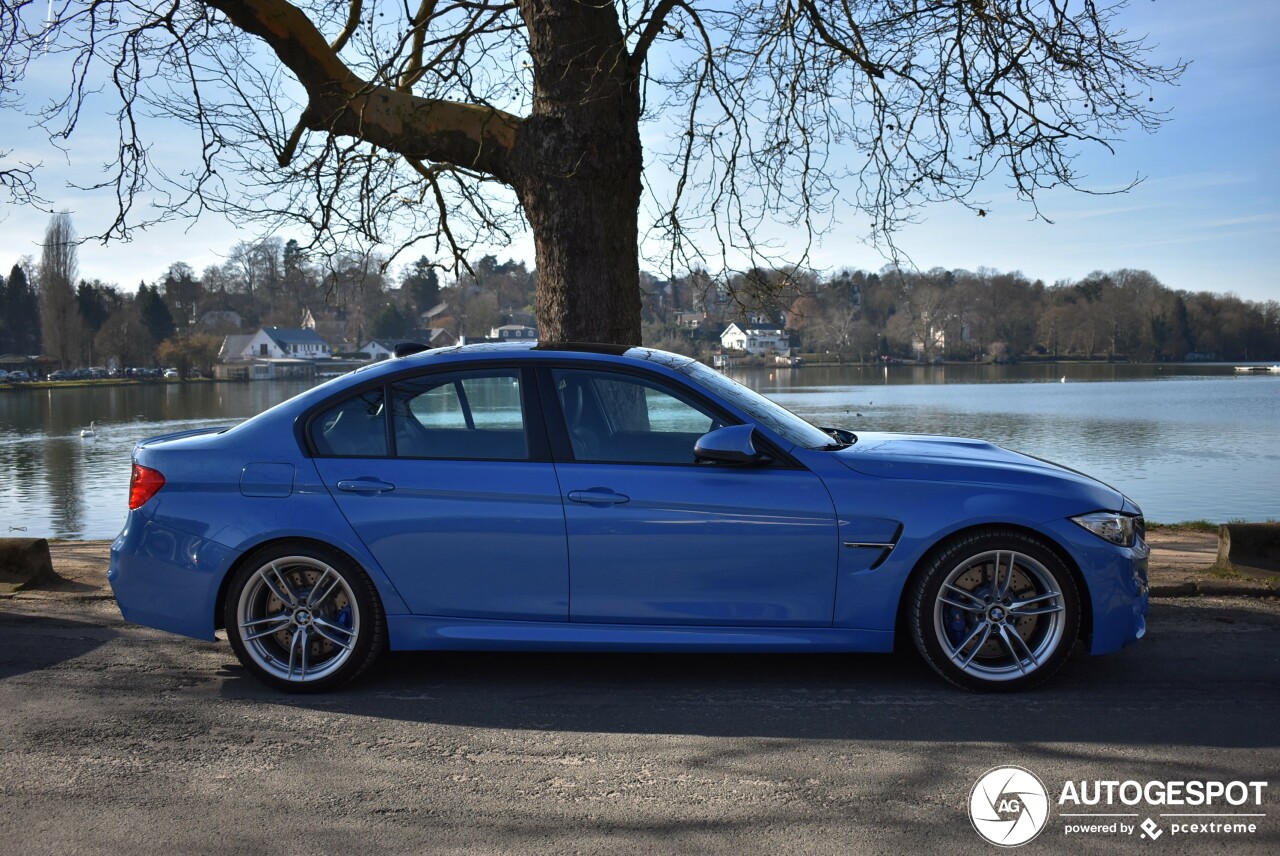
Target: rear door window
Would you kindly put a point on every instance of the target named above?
(471, 415)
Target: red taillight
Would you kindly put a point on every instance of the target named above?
(143, 484)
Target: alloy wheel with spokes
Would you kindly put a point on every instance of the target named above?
(995, 611)
(303, 618)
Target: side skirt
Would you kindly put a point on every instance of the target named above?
(425, 633)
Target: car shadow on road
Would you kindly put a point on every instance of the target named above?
(1116, 699)
(29, 643)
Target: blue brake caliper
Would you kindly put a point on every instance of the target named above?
(955, 625)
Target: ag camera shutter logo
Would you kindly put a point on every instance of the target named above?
(1008, 806)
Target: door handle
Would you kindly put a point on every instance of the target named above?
(598, 496)
(365, 485)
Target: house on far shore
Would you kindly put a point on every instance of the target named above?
(755, 339)
(271, 353)
(381, 349)
(234, 348)
(441, 316)
(513, 333)
(690, 319)
(297, 343)
(436, 337)
(384, 349)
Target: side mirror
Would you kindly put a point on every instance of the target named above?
(732, 444)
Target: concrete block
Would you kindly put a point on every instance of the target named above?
(1250, 547)
(24, 562)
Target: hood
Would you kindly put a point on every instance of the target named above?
(955, 459)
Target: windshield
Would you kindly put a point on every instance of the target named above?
(776, 417)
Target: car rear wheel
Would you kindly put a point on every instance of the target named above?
(303, 618)
(995, 611)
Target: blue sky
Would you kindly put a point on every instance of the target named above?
(1206, 217)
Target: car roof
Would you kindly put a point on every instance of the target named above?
(530, 349)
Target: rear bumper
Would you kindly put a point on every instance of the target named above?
(167, 579)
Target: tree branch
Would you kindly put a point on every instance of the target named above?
(340, 102)
(652, 29)
(353, 21)
(858, 57)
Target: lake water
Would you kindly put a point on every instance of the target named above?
(1185, 442)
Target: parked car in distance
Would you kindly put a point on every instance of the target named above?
(591, 497)
(172, 373)
(18, 377)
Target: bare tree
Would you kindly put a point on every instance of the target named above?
(992, 307)
(59, 313)
(455, 122)
(254, 267)
(125, 339)
(925, 310)
(842, 328)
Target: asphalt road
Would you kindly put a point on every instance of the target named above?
(118, 739)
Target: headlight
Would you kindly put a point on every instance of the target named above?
(1115, 527)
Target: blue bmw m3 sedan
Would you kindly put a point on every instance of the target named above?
(599, 498)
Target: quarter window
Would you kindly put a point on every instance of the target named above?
(356, 428)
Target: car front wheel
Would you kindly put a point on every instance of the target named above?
(995, 611)
(303, 618)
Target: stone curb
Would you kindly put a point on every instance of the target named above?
(24, 562)
(1213, 589)
(34, 595)
(1250, 547)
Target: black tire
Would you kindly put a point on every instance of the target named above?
(994, 611)
(303, 617)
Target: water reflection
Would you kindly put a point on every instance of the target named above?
(1185, 442)
(60, 485)
(62, 477)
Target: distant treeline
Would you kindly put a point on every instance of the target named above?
(851, 315)
(987, 314)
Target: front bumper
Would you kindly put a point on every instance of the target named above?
(1116, 579)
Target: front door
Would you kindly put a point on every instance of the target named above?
(657, 538)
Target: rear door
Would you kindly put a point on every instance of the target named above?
(446, 478)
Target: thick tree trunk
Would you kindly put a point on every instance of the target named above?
(576, 169)
(584, 230)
